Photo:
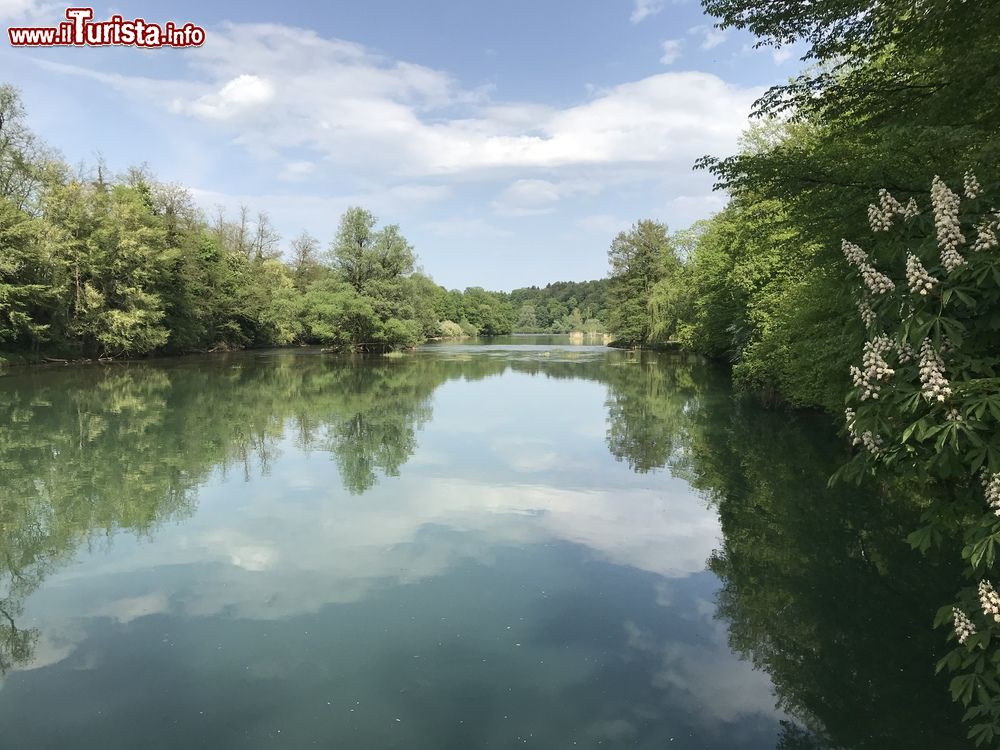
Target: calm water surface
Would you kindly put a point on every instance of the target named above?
(523, 543)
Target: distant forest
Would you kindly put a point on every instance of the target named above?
(561, 307)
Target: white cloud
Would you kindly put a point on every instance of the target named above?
(527, 197)
(238, 96)
(465, 228)
(276, 89)
(604, 224)
(671, 51)
(781, 55)
(686, 209)
(268, 567)
(295, 171)
(532, 197)
(418, 195)
(314, 212)
(243, 550)
(132, 608)
(710, 36)
(643, 9)
(31, 10)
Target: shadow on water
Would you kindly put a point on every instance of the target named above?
(818, 588)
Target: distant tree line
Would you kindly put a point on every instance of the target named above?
(561, 307)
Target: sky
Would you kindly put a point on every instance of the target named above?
(510, 140)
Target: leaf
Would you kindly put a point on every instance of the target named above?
(963, 687)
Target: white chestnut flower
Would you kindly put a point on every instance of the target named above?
(871, 442)
(867, 439)
(991, 489)
(986, 237)
(854, 254)
(920, 281)
(963, 625)
(878, 219)
(905, 352)
(867, 314)
(949, 228)
(934, 384)
(989, 600)
(876, 281)
(971, 186)
(874, 369)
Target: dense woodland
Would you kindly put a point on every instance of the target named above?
(891, 95)
(101, 265)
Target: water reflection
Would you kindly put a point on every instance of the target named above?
(819, 588)
(490, 544)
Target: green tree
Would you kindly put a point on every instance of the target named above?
(305, 263)
(526, 319)
(490, 312)
(639, 258)
(362, 255)
(25, 291)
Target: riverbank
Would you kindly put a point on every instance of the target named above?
(20, 359)
(669, 346)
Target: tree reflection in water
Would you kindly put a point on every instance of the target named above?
(818, 588)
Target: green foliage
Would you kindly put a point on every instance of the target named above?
(640, 258)
(892, 99)
(122, 267)
(491, 313)
(362, 256)
(24, 289)
(450, 330)
(926, 397)
(561, 307)
(125, 266)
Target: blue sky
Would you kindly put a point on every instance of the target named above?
(509, 140)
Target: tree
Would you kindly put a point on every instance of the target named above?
(526, 320)
(639, 258)
(106, 265)
(490, 312)
(24, 162)
(108, 247)
(353, 252)
(305, 263)
(25, 292)
(264, 244)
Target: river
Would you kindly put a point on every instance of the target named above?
(524, 542)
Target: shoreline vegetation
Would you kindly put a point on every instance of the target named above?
(97, 266)
(28, 360)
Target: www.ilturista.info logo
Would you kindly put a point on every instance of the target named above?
(80, 30)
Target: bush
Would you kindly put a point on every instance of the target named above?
(449, 329)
